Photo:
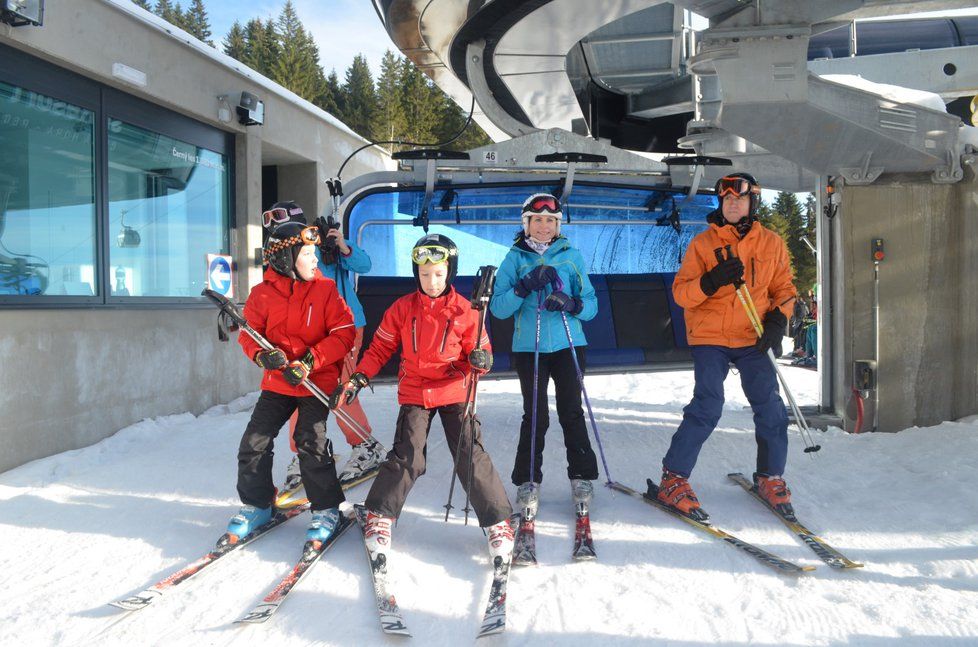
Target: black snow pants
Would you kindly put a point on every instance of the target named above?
(255, 486)
(406, 462)
(559, 365)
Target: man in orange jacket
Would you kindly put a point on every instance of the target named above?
(735, 250)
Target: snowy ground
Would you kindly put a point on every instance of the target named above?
(86, 527)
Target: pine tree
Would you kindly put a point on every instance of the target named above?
(297, 65)
(236, 43)
(331, 96)
(144, 4)
(359, 97)
(197, 22)
(164, 9)
(389, 121)
(802, 260)
(419, 104)
(262, 46)
(450, 120)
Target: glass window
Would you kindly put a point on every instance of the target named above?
(619, 230)
(47, 195)
(168, 208)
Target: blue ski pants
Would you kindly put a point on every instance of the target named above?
(700, 417)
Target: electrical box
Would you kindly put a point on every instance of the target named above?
(864, 374)
(878, 253)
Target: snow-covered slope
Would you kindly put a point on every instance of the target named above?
(86, 527)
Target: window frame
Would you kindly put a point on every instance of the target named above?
(30, 73)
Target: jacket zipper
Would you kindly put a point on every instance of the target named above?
(753, 273)
(414, 340)
(444, 340)
(309, 316)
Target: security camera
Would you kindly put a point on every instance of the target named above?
(251, 111)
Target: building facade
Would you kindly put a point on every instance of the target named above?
(123, 165)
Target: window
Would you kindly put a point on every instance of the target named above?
(104, 198)
(168, 205)
(47, 195)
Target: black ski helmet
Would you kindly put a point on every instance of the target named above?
(755, 196)
(282, 248)
(440, 241)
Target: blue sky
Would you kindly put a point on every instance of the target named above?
(342, 28)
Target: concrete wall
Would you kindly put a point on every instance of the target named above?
(71, 377)
(928, 365)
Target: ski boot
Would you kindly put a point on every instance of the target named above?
(248, 519)
(364, 459)
(582, 491)
(322, 526)
(675, 492)
(775, 493)
(377, 533)
(528, 500)
(501, 537)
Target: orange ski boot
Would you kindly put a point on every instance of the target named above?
(775, 493)
(675, 492)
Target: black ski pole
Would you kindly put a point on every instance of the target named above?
(481, 294)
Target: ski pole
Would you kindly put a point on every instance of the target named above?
(481, 294)
(559, 286)
(536, 380)
(748, 302)
(232, 310)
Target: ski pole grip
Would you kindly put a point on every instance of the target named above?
(718, 252)
(225, 305)
(557, 285)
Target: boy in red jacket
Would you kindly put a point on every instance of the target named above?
(435, 329)
(302, 314)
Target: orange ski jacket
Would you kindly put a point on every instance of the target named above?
(721, 319)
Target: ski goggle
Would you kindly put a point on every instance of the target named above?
(430, 254)
(308, 236)
(736, 186)
(542, 204)
(278, 215)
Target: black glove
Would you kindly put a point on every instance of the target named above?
(558, 301)
(271, 360)
(538, 278)
(298, 370)
(347, 392)
(727, 272)
(775, 325)
(480, 360)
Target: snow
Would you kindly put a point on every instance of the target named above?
(86, 527)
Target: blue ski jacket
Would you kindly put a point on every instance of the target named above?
(341, 272)
(569, 263)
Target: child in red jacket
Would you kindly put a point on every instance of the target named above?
(435, 329)
(302, 314)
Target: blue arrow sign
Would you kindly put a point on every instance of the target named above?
(219, 275)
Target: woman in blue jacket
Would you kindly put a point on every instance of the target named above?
(539, 262)
(339, 259)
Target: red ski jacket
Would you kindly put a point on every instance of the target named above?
(435, 337)
(297, 316)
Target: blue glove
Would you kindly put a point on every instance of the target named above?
(538, 278)
(560, 302)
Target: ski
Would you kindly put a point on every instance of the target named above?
(525, 545)
(583, 545)
(362, 477)
(311, 552)
(494, 619)
(759, 554)
(826, 553)
(148, 596)
(391, 620)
